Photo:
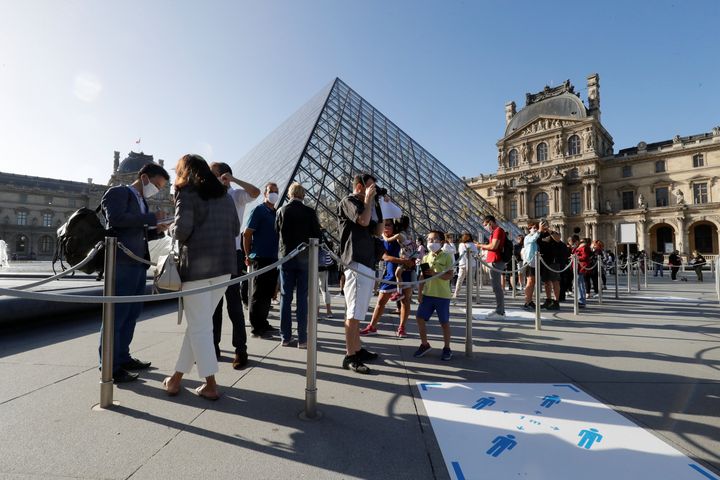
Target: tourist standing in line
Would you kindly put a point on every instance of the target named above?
(550, 247)
(393, 261)
(528, 255)
(494, 257)
(295, 223)
(241, 196)
(359, 216)
(470, 251)
(658, 261)
(698, 262)
(206, 225)
(675, 262)
(128, 215)
(260, 243)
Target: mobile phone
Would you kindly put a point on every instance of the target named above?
(424, 267)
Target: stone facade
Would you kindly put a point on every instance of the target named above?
(556, 161)
(32, 208)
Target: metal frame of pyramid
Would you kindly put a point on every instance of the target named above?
(338, 134)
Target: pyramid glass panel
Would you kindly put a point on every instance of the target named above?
(338, 134)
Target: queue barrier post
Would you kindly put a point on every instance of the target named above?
(513, 281)
(638, 274)
(311, 411)
(108, 325)
(468, 308)
(576, 293)
(645, 269)
(599, 279)
(538, 324)
(617, 275)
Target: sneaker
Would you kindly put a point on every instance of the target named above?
(529, 308)
(289, 343)
(446, 354)
(352, 363)
(547, 303)
(302, 345)
(554, 305)
(401, 333)
(532, 305)
(369, 330)
(581, 305)
(396, 297)
(495, 316)
(422, 350)
(365, 356)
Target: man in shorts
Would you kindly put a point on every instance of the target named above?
(435, 295)
(360, 220)
(550, 246)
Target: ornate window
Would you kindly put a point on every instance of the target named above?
(627, 171)
(575, 203)
(628, 200)
(574, 145)
(513, 158)
(661, 197)
(513, 209)
(698, 160)
(47, 219)
(542, 205)
(46, 244)
(700, 193)
(542, 152)
(660, 166)
(22, 218)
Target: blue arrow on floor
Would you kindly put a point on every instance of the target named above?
(702, 471)
(458, 471)
(425, 386)
(568, 386)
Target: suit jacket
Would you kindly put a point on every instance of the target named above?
(122, 211)
(296, 223)
(206, 231)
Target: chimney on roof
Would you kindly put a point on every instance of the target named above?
(509, 112)
(161, 162)
(593, 86)
(116, 161)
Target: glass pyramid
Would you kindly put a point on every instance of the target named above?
(337, 134)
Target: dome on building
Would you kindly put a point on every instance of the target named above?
(560, 101)
(134, 162)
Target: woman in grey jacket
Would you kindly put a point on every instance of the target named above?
(206, 225)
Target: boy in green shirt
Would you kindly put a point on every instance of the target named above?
(434, 296)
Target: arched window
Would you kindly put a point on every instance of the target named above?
(513, 158)
(542, 205)
(542, 152)
(574, 145)
(703, 238)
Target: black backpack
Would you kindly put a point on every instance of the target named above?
(79, 235)
(507, 251)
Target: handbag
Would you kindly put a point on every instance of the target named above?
(167, 276)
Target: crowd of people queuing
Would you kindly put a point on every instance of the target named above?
(210, 205)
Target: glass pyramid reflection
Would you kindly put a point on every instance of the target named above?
(337, 134)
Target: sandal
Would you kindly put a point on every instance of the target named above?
(199, 392)
(171, 393)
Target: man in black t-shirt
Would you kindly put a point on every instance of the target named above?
(360, 220)
(551, 248)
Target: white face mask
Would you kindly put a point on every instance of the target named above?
(434, 246)
(273, 197)
(149, 189)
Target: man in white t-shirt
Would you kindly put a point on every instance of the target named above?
(241, 196)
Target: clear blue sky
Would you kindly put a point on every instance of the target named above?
(79, 79)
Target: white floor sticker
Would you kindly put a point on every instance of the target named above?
(482, 313)
(544, 431)
(671, 299)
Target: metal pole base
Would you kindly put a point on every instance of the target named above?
(98, 408)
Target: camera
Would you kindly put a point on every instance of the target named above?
(380, 191)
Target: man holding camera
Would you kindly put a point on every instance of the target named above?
(360, 221)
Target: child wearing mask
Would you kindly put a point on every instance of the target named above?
(434, 296)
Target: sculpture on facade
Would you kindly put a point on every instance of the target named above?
(558, 146)
(608, 206)
(641, 201)
(679, 197)
(588, 137)
(3, 254)
(524, 152)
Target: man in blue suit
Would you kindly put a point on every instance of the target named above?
(129, 217)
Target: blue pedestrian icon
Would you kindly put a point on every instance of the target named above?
(483, 402)
(589, 437)
(500, 444)
(550, 400)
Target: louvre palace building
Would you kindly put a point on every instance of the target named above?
(557, 161)
(32, 208)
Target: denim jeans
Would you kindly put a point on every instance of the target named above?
(130, 279)
(580, 287)
(495, 279)
(294, 275)
(658, 269)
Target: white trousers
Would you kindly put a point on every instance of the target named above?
(197, 347)
(462, 274)
(324, 287)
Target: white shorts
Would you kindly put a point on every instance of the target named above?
(358, 291)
